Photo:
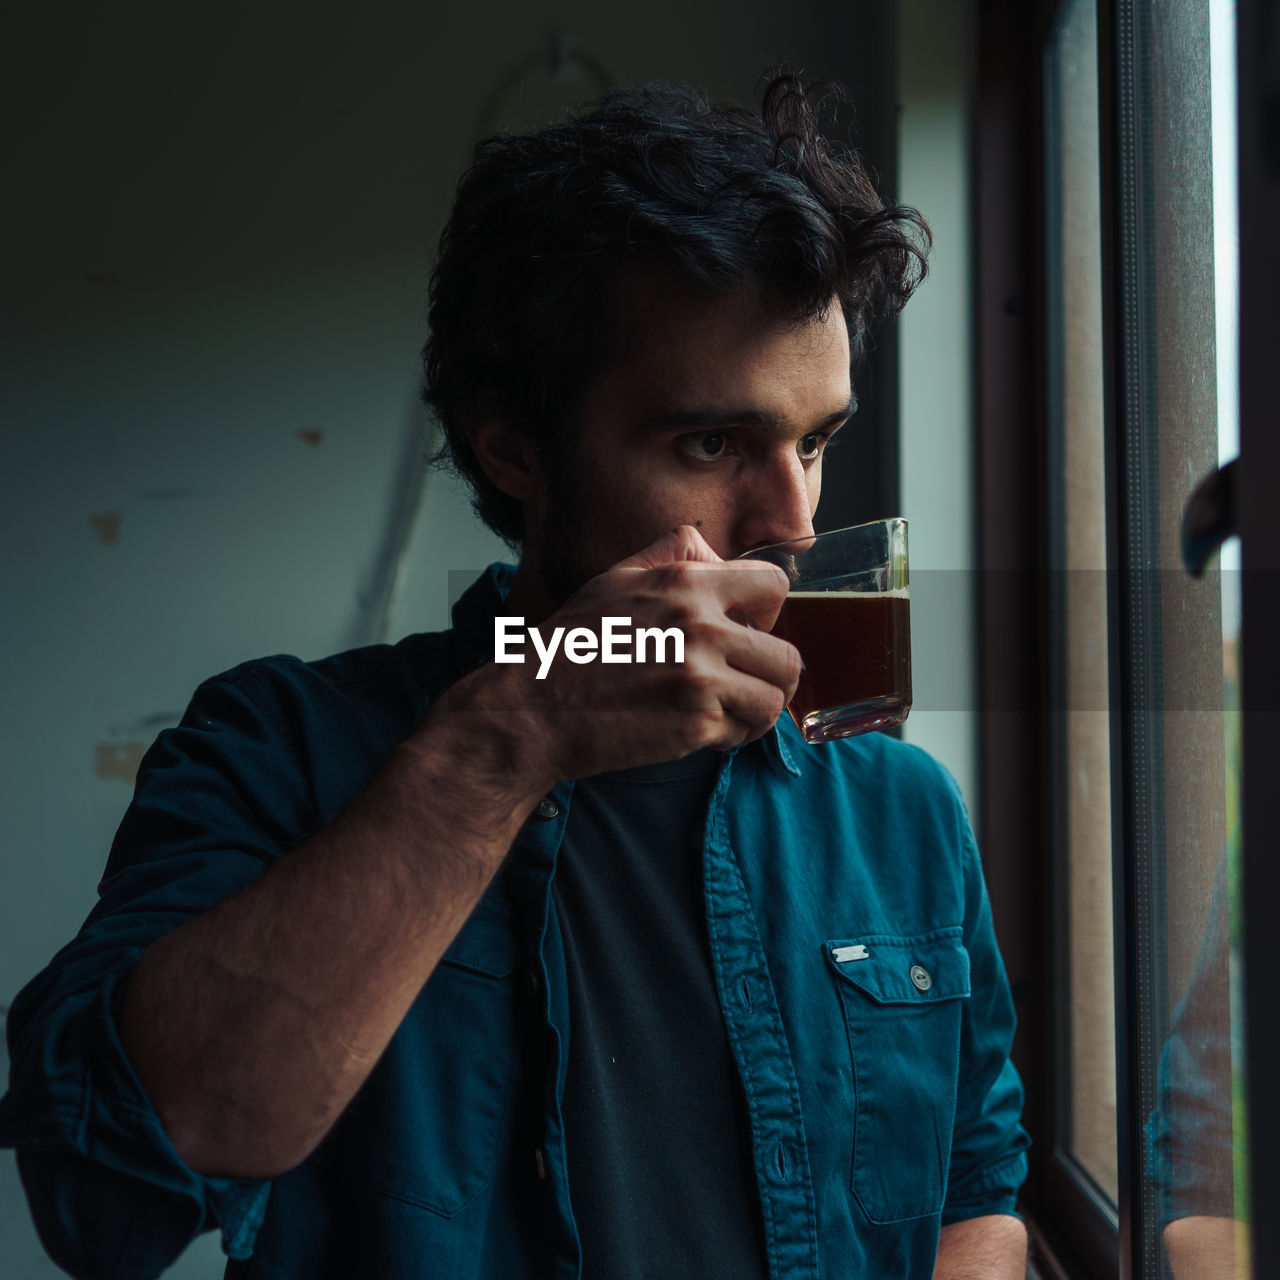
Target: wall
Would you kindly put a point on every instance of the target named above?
(935, 70)
(220, 223)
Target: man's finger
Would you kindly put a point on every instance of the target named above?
(752, 592)
(767, 658)
(752, 706)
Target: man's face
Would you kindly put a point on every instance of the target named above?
(716, 414)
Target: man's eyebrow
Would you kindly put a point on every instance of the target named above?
(710, 418)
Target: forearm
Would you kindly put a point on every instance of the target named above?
(253, 1025)
(993, 1247)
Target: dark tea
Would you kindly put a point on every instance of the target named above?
(856, 647)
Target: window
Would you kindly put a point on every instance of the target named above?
(1148, 1135)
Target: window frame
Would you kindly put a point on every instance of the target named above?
(1071, 1233)
(1070, 1230)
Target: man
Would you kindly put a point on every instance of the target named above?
(410, 963)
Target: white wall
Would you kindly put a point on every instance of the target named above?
(935, 66)
(221, 221)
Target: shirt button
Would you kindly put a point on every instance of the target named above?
(920, 977)
(548, 808)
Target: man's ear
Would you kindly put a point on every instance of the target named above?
(508, 457)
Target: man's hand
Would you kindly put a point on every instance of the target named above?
(254, 1024)
(734, 682)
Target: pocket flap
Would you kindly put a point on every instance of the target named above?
(896, 970)
(487, 942)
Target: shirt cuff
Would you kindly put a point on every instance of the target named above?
(77, 1106)
(994, 1190)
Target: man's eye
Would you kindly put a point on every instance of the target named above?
(811, 445)
(710, 445)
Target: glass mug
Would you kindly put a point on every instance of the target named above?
(849, 613)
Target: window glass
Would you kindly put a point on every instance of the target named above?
(1195, 1150)
(1082, 721)
(1145, 658)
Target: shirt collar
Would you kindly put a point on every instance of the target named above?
(778, 749)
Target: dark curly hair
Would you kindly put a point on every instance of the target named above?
(735, 201)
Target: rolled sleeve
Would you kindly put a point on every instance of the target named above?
(218, 800)
(988, 1153)
(109, 1194)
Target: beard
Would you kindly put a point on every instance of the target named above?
(564, 560)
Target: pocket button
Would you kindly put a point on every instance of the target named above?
(920, 977)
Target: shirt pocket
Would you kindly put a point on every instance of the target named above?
(902, 999)
(433, 1122)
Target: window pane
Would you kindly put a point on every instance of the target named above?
(1082, 721)
(1195, 1131)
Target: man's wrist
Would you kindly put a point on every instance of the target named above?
(490, 743)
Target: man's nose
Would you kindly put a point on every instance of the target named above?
(779, 506)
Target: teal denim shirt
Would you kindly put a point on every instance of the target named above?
(850, 933)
